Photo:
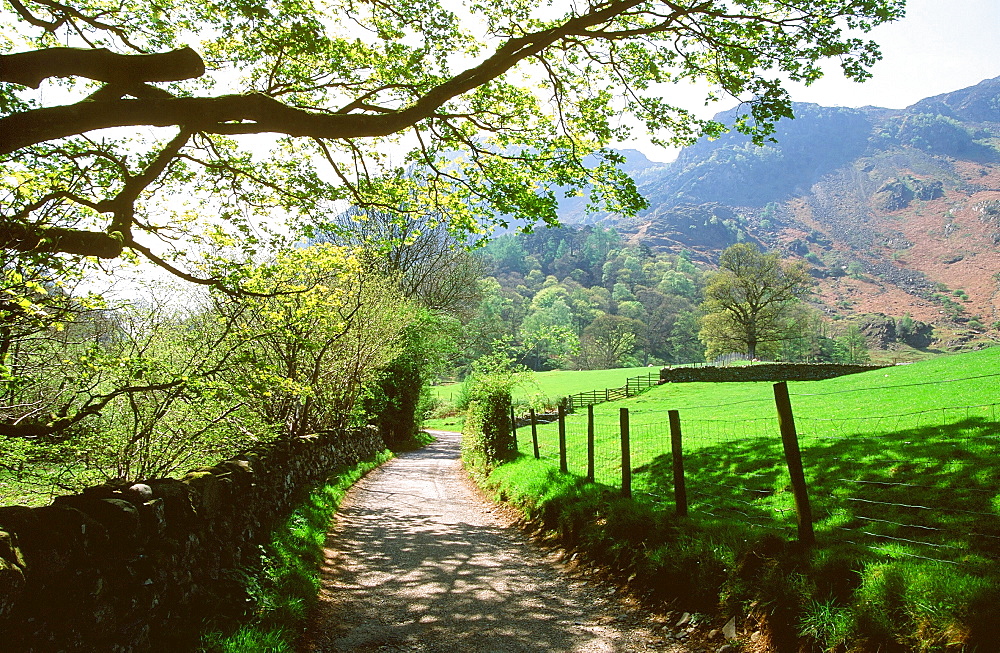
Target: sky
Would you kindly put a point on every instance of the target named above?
(940, 46)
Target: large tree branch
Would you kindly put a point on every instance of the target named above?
(34, 238)
(31, 68)
(258, 113)
(18, 428)
(122, 204)
(26, 238)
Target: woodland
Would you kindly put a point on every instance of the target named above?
(581, 298)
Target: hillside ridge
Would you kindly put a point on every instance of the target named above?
(897, 211)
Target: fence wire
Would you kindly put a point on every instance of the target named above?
(922, 484)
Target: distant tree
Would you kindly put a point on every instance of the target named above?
(547, 336)
(608, 340)
(814, 341)
(488, 439)
(684, 345)
(904, 327)
(853, 346)
(426, 262)
(748, 301)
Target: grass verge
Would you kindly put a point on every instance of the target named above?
(835, 598)
(284, 586)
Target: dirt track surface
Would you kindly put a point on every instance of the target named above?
(418, 561)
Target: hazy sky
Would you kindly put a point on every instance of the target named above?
(940, 46)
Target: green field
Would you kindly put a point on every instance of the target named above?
(903, 477)
(541, 389)
(904, 458)
(558, 383)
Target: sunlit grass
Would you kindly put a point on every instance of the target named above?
(551, 386)
(285, 585)
(540, 389)
(903, 476)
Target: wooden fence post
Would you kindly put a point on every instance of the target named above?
(590, 443)
(534, 432)
(680, 489)
(626, 453)
(563, 467)
(793, 458)
(513, 427)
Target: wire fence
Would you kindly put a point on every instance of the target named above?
(922, 483)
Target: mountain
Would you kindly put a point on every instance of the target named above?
(898, 211)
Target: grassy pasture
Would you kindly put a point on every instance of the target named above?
(542, 389)
(903, 460)
(904, 477)
(559, 383)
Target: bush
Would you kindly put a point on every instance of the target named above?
(488, 438)
(399, 398)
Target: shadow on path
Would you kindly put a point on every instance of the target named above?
(416, 561)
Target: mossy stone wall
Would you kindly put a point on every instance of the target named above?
(773, 372)
(139, 567)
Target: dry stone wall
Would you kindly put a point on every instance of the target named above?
(773, 372)
(139, 567)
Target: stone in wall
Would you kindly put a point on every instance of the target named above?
(137, 567)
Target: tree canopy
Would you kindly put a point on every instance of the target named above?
(484, 112)
(750, 301)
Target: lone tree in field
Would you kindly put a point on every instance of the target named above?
(479, 112)
(750, 301)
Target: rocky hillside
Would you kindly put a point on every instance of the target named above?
(898, 211)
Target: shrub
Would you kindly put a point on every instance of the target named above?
(488, 438)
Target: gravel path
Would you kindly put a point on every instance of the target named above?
(418, 561)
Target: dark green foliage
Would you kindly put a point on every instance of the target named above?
(396, 401)
(557, 252)
(551, 286)
(488, 429)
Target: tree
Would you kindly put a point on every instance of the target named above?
(417, 252)
(140, 146)
(749, 301)
(547, 337)
(853, 346)
(310, 349)
(487, 434)
(396, 399)
(608, 340)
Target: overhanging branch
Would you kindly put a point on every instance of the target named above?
(102, 65)
(259, 113)
(26, 238)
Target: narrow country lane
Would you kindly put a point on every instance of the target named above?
(418, 561)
